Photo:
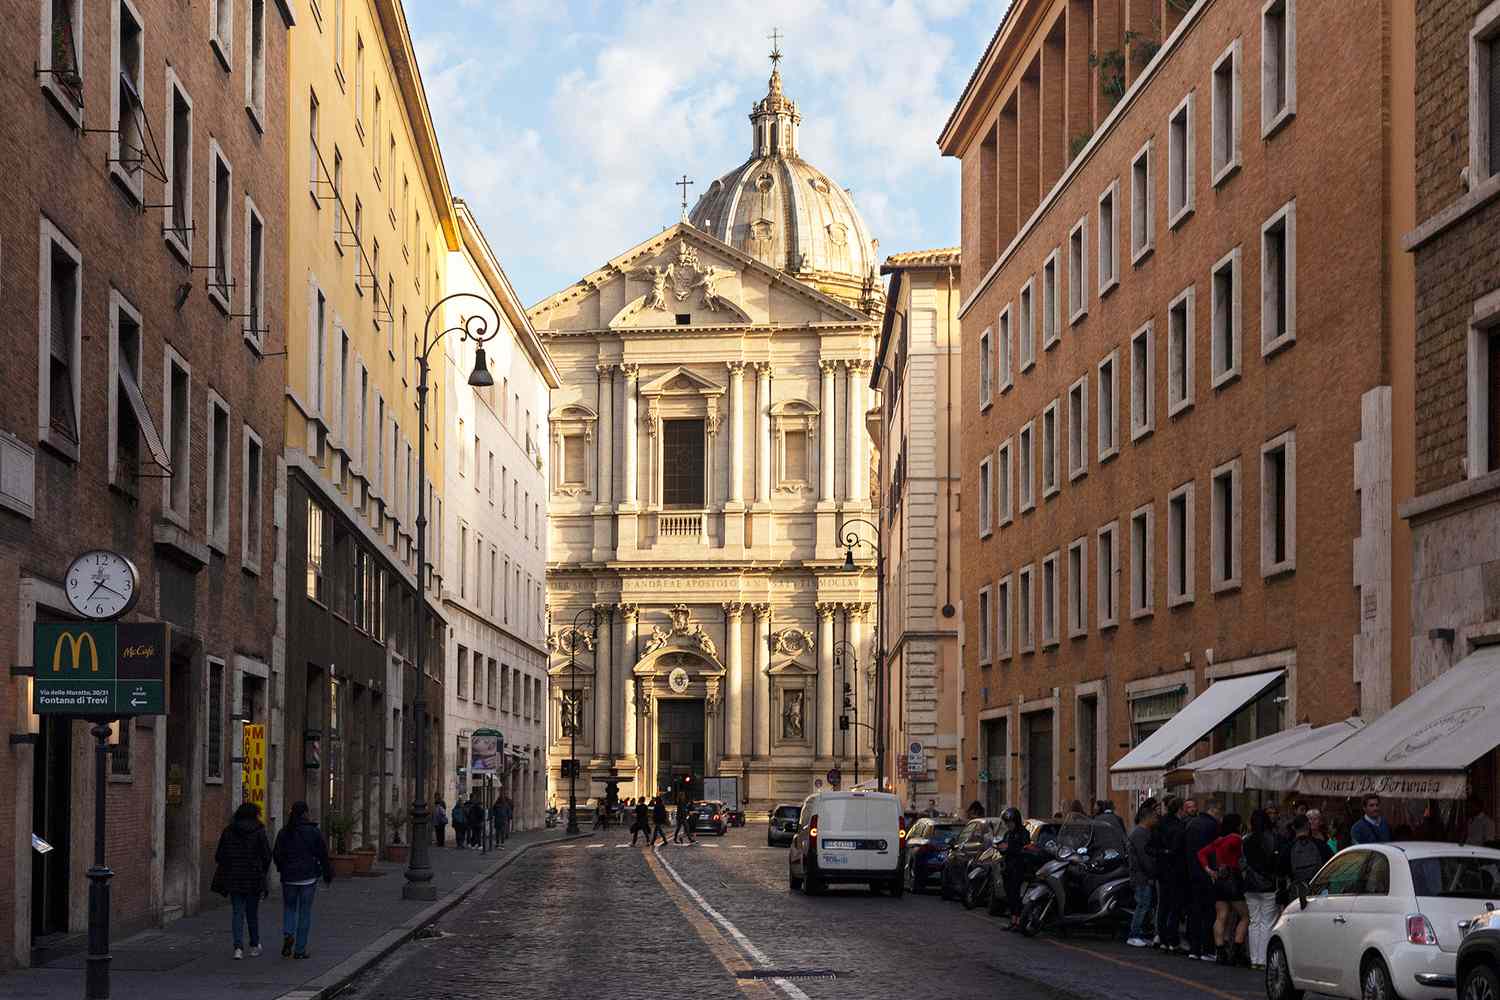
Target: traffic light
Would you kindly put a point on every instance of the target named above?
(844, 723)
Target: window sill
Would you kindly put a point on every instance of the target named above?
(1050, 342)
(1048, 492)
(1140, 613)
(1180, 600)
(1028, 507)
(1454, 212)
(222, 52)
(71, 109)
(986, 664)
(985, 533)
(1027, 365)
(1078, 473)
(257, 118)
(1006, 386)
(183, 251)
(254, 344)
(1276, 345)
(1278, 569)
(1005, 522)
(1137, 433)
(1180, 216)
(1109, 624)
(1276, 124)
(58, 445)
(120, 779)
(218, 298)
(1078, 633)
(1049, 644)
(1078, 315)
(214, 781)
(1173, 409)
(131, 188)
(1224, 586)
(986, 404)
(219, 544)
(1107, 454)
(1139, 256)
(1027, 650)
(1227, 171)
(1224, 378)
(1109, 286)
(250, 568)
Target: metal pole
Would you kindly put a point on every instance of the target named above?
(419, 868)
(575, 717)
(879, 663)
(96, 975)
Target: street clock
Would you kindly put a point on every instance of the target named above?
(102, 585)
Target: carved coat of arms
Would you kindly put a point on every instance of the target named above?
(682, 277)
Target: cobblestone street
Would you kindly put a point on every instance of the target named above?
(603, 920)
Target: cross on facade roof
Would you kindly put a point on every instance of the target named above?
(775, 36)
(685, 183)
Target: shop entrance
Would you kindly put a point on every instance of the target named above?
(1039, 765)
(51, 795)
(679, 740)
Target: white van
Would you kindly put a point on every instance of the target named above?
(848, 837)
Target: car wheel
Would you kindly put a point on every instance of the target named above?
(1481, 984)
(1279, 985)
(768, 842)
(1375, 982)
(793, 882)
(997, 905)
(875, 888)
(812, 884)
(909, 877)
(944, 889)
(896, 888)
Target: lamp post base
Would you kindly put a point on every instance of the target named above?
(424, 892)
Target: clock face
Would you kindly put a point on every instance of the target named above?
(102, 584)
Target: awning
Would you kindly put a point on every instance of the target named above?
(143, 418)
(1146, 765)
(1271, 763)
(1422, 748)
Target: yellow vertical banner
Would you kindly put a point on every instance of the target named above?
(255, 766)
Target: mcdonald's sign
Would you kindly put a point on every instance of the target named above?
(108, 669)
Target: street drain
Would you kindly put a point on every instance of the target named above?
(793, 974)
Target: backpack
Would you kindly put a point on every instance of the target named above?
(1306, 859)
(1256, 880)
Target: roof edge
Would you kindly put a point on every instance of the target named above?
(494, 275)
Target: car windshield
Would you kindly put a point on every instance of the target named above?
(1456, 877)
(788, 812)
(940, 835)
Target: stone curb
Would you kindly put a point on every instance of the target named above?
(335, 979)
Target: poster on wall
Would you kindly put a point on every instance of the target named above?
(485, 749)
(255, 766)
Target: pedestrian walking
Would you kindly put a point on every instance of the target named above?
(1105, 809)
(1221, 862)
(242, 859)
(1371, 828)
(1013, 840)
(1143, 871)
(1264, 874)
(658, 822)
(459, 817)
(1202, 829)
(1171, 875)
(439, 820)
(301, 856)
(682, 819)
(691, 824)
(475, 814)
(502, 810)
(642, 822)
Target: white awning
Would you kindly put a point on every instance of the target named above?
(1145, 766)
(1422, 748)
(1273, 762)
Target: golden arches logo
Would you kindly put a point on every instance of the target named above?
(77, 643)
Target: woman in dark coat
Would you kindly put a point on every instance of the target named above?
(243, 857)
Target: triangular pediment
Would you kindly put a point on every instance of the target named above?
(680, 380)
(794, 667)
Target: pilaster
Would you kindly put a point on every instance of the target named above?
(825, 678)
(762, 679)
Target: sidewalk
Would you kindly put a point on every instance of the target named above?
(356, 921)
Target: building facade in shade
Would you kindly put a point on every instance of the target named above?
(495, 487)
(144, 276)
(916, 374)
(1180, 454)
(1455, 510)
(372, 226)
(708, 446)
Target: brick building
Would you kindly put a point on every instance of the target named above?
(1187, 363)
(144, 244)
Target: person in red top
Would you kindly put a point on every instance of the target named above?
(1221, 860)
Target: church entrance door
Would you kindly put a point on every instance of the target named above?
(679, 740)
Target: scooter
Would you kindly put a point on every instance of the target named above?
(1077, 889)
(979, 883)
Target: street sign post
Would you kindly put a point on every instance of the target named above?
(101, 669)
(916, 758)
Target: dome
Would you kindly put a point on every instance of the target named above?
(788, 214)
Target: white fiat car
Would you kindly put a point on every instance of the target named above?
(845, 837)
(1382, 922)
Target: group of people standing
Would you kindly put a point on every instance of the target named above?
(469, 819)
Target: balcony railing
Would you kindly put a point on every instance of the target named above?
(681, 525)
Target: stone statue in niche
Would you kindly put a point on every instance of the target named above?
(791, 715)
(572, 713)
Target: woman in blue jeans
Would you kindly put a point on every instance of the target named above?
(302, 858)
(243, 857)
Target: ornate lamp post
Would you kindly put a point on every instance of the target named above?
(575, 715)
(479, 329)
(841, 649)
(851, 539)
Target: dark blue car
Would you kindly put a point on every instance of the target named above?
(927, 850)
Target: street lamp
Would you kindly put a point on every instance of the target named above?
(479, 329)
(851, 538)
(575, 716)
(841, 649)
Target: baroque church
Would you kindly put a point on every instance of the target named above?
(711, 474)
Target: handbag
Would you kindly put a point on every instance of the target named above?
(219, 885)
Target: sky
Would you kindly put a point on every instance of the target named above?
(564, 123)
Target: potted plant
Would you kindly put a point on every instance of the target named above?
(364, 859)
(339, 828)
(396, 850)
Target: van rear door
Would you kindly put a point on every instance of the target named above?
(859, 833)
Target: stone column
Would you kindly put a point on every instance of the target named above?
(763, 432)
(631, 430)
(604, 464)
(736, 435)
(826, 423)
(711, 430)
(762, 679)
(602, 688)
(826, 712)
(734, 690)
(858, 686)
(628, 618)
(856, 487)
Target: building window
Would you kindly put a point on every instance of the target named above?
(1006, 349)
(1150, 711)
(250, 501)
(1108, 584)
(986, 500)
(218, 473)
(1180, 162)
(463, 674)
(1142, 590)
(315, 555)
(1078, 588)
(1278, 64)
(984, 626)
(682, 463)
(338, 200)
(1028, 325)
(213, 728)
(1142, 383)
(220, 226)
(60, 67)
(1109, 238)
(359, 85)
(1109, 406)
(359, 246)
(338, 39)
(1142, 205)
(1226, 113)
(375, 136)
(1278, 505)
(1226, 318)
(1224, 547)
(177, 214)
(126, 422)
(1002, 619)
(1051, 304)
(1484, 397)
(490, 477)
(1024, 610)
(221, 24)
(1078, 270)
(1003, 474)
(1049, 450)
(255, 284)
(1180, 546)
(127, 140)
(1049, 601)
(463, 560)
(1078, 428)
(490, 686)
(986, 365)
(1484, 102)
(1278, 280)
(177, 422)
(1027, 470)
(60, 338)
(119, 755)
(314, 156)
(255, 70)
(1180, 351)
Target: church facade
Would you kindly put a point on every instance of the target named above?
(710, 464)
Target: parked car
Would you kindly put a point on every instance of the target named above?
(847, 837)
(967, 845)
(1380, 921)
(783, 825)
(1479, 957)
(927, 845)
(712, 818)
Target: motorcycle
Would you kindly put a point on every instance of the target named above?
(1087, 882)
(1030, 861)
(979, 882)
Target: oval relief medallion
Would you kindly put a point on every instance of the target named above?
(678, 680)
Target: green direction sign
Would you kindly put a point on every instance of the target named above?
(100, 668)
